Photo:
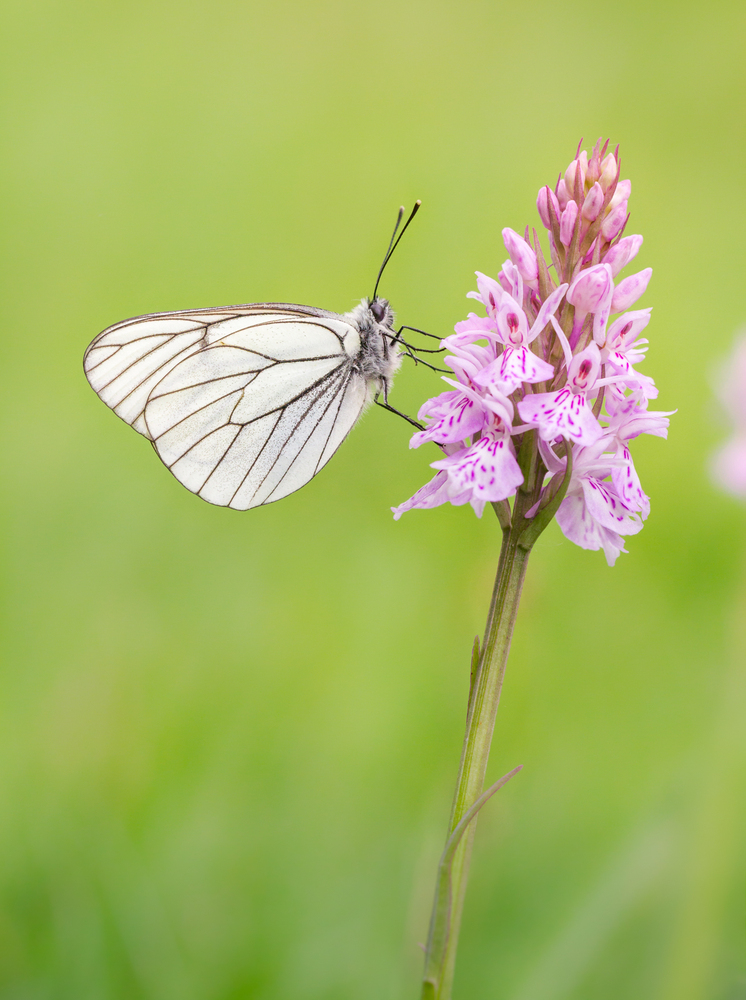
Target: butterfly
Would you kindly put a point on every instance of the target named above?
(245, 404)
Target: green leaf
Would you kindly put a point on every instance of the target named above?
(440, 925)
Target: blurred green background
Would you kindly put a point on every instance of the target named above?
(228, 741)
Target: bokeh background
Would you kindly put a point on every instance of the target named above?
(228, 741)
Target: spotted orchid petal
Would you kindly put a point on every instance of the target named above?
(627, 484)
(584, 369)
(620, 364)
(621, 253)
(608, 509)
(578, 525)
(561, 414)
(512, 323)
(546, 197)
(513, 367)
(439, 405)
(625, 330)
(461, 419)
(488, 468)
(432, 494)
(511, 276)
(567, 223)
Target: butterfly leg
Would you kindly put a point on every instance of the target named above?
(419, 361)
(420, 350)
(416, 329)
(417, 350)
(414, 352)
(387, 406)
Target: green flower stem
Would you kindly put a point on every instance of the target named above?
(480, 723)
(488, 671)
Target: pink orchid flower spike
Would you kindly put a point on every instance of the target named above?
(558, 358)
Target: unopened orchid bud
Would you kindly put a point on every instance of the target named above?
(593, 202)
(563, 195)
(622, 253)
(580, 164)
(614, 222)
(591, 288)
(627, 292)
(521, 254)
(622, 193)
(594, 165)
(570, 176)
(608, 171)
(567, 223)
(547, 196)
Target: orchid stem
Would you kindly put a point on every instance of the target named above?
(480, 722)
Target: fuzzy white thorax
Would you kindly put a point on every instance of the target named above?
(377, 357)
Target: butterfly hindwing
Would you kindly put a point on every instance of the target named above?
(279, 452)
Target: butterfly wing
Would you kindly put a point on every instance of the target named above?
(126, 361)
(243, 405)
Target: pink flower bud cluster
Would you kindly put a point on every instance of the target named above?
(550, 371)
(729, 461)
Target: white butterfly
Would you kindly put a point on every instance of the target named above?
(245, 404)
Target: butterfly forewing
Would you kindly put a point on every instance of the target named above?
(245, 404)
(124, 363)
(289, 338)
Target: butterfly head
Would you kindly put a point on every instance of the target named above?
(381, 311)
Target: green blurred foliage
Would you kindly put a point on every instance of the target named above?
(228, 741)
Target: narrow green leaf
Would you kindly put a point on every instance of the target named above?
(441, 919)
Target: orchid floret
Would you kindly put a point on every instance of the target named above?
(488, 470)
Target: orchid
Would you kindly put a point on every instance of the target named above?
(728, 465)
(544, 400)
(553, 361)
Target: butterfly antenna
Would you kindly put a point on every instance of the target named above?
(392, 245)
